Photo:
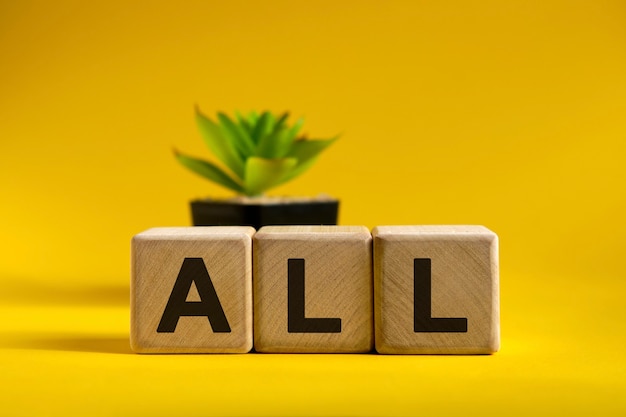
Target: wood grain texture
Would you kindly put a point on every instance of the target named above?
(156, 259)
(464, 284)
(338, 284)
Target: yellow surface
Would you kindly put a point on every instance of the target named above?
(509, 114)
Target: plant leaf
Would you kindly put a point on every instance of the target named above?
(306, 152)
(293, 132)
(209, 171)
(297, 171)
(219, 145)
(244, 122)
(237, 134)
(263, 174)
(281, 120)
(261, 128)
(275, 145)
(253, 117)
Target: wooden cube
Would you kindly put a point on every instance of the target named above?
(436, 290)
(313, 289)
(191, 290)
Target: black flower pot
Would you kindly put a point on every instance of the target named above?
(264, 212)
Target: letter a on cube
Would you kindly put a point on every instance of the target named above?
(313, 289)
(191, 290)
(436, 290)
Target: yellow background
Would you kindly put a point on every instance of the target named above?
(509, 114)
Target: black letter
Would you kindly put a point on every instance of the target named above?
(193, 270)
(423, 322)
(296, 321)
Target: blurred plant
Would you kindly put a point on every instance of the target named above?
(259, 151)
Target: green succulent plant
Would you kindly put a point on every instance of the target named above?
(258, 151)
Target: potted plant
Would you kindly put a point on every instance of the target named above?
(257, 152)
